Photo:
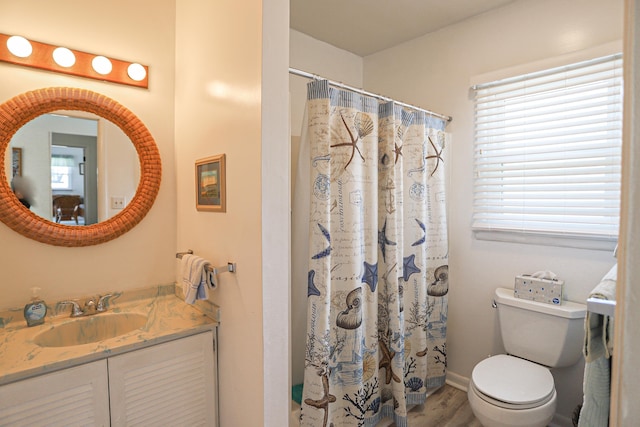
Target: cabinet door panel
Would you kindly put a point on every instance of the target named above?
(168, 384)
(77, 396)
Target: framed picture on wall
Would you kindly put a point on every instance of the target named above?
(211, 184)
(16, 162)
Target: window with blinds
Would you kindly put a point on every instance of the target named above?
(548, 151)
(61, 171)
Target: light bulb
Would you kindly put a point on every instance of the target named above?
(101, 65)
(136, 72)
(19, 46)
(64, 57)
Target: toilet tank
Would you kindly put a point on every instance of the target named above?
(551, 335)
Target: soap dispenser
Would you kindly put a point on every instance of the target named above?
(36, 310)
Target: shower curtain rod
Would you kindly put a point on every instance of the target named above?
(301, 73)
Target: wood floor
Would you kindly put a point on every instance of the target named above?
(447, 407)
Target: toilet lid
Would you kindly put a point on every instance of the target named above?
(513, 380)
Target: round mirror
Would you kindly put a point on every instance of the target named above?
(20, 110)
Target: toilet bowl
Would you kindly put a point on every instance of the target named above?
(516, 389)
(506, 391)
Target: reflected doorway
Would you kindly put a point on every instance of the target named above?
(74, 180)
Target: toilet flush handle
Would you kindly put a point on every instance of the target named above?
(494, 304)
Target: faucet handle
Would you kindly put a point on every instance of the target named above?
(76, 311)
(102, 302)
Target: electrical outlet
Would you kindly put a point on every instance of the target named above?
(117, 202)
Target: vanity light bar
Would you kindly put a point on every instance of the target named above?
(75, 62)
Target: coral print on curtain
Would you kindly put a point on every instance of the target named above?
(378, 269)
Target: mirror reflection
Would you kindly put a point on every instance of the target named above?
(72, 168)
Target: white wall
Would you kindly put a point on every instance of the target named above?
(218, 111)
(276, 229)
(141, 31)
(316, 57)
(120, 181)
(434, 72)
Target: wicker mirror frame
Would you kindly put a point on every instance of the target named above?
(23, 108)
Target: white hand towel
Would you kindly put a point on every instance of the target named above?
(598, 328)
(598, 347)
(196, 278)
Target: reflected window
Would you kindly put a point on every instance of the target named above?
(61, 171)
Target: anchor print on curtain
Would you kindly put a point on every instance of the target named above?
(378, 269)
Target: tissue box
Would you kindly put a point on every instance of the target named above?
(548, 291)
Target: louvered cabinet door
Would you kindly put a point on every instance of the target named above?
(77, 396)
(170, 384)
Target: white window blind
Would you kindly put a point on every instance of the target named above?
(61, 171)
(547, 151)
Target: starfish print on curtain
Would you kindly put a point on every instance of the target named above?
(437, 156)
(363, 126)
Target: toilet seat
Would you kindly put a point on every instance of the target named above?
(512, 383)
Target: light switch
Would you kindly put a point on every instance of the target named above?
(117, 202)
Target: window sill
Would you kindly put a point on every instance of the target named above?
(567, 241)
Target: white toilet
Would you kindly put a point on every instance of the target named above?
(516, 389)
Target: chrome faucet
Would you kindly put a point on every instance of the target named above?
(90, 306)
(76, 311)
(102, 303)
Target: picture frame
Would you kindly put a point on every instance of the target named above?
(16, 162)
(211, 184)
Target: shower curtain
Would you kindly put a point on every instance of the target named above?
(377, 278)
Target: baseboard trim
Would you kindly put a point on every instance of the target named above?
(457, 381)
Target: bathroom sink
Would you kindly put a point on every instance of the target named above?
(85, 330)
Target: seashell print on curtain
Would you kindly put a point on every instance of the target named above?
(378, 259)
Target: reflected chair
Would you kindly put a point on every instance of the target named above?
(67, 207)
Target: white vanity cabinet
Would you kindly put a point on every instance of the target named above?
(172, 383)
(76, 396)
